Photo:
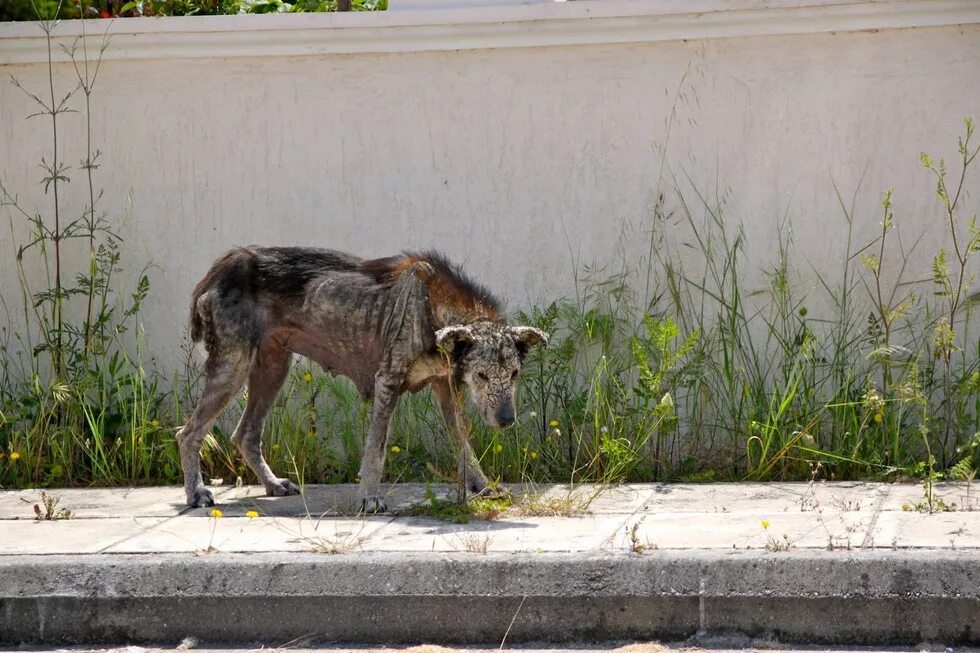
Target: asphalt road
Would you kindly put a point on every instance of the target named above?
(601, 647)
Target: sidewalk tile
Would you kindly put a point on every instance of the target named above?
(941, 530)
(67, 535)
(770, 497)
(97, 503)
(190, 534)
(747, 530)
(508, 534)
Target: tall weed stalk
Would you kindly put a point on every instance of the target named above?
(674, 363)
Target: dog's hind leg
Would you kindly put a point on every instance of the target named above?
(264, 382)
(224, 378)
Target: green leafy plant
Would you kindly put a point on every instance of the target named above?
(679, 365)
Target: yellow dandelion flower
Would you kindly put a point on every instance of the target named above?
(308, 377)
(906, 507)
(396, 449)
(879, 418)
(534, 455)
(765, 523)
(217, 514)
(553, 423)
(155, 423)
(497, 448)
(14, 455)
(251, 514)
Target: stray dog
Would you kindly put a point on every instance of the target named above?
(390, 325)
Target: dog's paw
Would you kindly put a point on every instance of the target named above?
(283, 487)
(373, 504)
(200, 498)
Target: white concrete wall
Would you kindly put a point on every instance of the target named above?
(508, 158)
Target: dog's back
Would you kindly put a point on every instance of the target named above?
(245, 279)
(242, 274)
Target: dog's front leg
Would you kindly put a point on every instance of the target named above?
(386, 390)
(451, 405)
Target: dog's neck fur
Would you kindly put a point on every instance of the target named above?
(454, 298)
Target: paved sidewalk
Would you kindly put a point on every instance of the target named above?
(728, 516)
(821, 563)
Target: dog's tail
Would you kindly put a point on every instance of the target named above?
(219, 273)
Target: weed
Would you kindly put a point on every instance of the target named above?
(458, 513)
(846, 505)
(472, 542)
(80, 406)
(931, 502)
(214, 515)
(50, 511)
(489, 509)
(775, 545)
(572, 504)
(965, 471)
(335, 545)
(668, 365)
(633, 541)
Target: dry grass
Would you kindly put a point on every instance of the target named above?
(472, 542)
(570, 505)
(641, 647)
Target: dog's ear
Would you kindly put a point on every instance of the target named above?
(527, 338)
(454, 340)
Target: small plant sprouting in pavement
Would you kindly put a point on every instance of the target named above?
(336, 545)
(773, 544)
(965, 471)
(777, 545)
(50, 511)
(808, 500)
(844, 504)
(633, 541)
(931, 502)
(472, 542)
(572, 504)
(214, 515)
(458, 513)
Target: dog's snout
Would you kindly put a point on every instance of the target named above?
(505, 416)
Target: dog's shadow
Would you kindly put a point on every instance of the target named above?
(339, 502)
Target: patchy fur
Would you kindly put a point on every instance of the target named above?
(383, 323)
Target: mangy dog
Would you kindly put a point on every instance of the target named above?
(391, 325)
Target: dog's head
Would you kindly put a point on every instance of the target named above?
(488, 358)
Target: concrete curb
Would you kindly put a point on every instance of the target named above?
(843, 597)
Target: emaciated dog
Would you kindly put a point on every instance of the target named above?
(390, 325)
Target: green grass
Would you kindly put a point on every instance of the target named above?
(456, 512)
(666, 367)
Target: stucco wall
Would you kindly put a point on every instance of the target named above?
(511, 159)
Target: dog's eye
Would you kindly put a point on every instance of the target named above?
(482, 376)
